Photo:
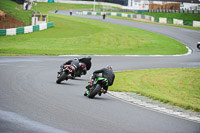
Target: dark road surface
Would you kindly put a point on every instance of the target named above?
(31, 101)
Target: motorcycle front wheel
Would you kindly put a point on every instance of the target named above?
(95, 91)
(62, 77)
(198, 46)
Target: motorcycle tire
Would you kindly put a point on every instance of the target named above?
(95, 91)
(61, 78)
(198, 46)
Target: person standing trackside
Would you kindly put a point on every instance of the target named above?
(104, 15)
(70, 12)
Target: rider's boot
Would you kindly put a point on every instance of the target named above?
(86, 92)
(100, 93)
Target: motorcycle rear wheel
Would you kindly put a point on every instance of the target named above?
(95, 91)
(61, 78)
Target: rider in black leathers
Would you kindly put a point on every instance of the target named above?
(87, 61)
(76, 63)
(106, 73)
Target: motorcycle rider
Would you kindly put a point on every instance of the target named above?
(86, 61)
(84, 66)
(78, 64)
(74, 63)
(105, 73)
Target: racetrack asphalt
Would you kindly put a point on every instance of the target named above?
(31, 101)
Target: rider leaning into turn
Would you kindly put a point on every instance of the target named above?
(106, 73)
(74, 63)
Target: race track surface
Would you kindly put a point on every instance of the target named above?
(31, 101)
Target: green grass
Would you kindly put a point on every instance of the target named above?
(72, 35)
(187, 16)
(16, 11)
(183, 16)
(45, 7)
(181, 26)
(178, 87)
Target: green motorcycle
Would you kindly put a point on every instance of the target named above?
(97, 87)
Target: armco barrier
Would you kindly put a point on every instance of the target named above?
(146, 17)
(11, 31)
(35, 28)
(26, 29)
(156, 19)
(177, 22)
(143, 16)
(138, 16)
(50, 24)
(196, 23)
(134, 16)
(2, 32)
(124, 15)
(20, 30)
(119, 14)
(152, 19)
(163, 20)
(170, 20)
(113, 14)
(188, 22)
(108, 13)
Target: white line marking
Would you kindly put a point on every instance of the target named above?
(26, 123)
(124, 97)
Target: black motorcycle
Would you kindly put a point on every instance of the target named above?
(97, 87)
(70, 71)
(65, 73)
(82, 70)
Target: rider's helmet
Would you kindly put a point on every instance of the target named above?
(109, 67)
(83, 68)
(76, 59)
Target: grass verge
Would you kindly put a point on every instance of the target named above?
(72, 35)
(45, 7)
(178, 87)
(189, 17)
(181, 26)
(183, 16)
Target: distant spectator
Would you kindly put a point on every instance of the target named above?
(27, 6)
(70, 12)
(104, 15)
(56, 11)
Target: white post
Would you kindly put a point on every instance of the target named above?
(94, 5)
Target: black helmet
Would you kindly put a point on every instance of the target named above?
(109, 67)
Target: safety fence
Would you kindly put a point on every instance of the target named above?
(146, 18)
(26, 29)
